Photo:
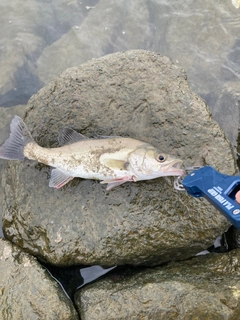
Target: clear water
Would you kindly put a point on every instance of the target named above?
(39, 39)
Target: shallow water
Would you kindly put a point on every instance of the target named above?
(40, 39)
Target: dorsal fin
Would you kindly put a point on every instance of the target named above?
(68, 136)
(97, 136)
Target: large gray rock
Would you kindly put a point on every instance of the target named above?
(138, 94)
(206, 287)
(27, 290)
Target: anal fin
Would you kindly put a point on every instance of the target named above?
(58, 179)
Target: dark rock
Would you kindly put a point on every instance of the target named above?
(27, 290)
(206, 287)
(142, 95)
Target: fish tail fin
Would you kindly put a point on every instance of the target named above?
(13, 147)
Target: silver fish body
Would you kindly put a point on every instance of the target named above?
(113, 160)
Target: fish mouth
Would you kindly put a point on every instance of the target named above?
(174, 169)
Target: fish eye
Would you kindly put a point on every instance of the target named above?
(161, 157)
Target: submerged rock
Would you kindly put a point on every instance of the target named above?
(162, 26)
(103, 31)
(26, 28)
(27, 290)
(226, 110)
(203, 288)
(207, 56)
(136, 94)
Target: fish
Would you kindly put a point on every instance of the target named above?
(112, 160)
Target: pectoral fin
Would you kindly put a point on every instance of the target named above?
(58, 179)
(117, 182)
(115, 164)
(112, 185)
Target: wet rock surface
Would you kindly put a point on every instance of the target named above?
(27, 290)
(138, 94)
(206, 287)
